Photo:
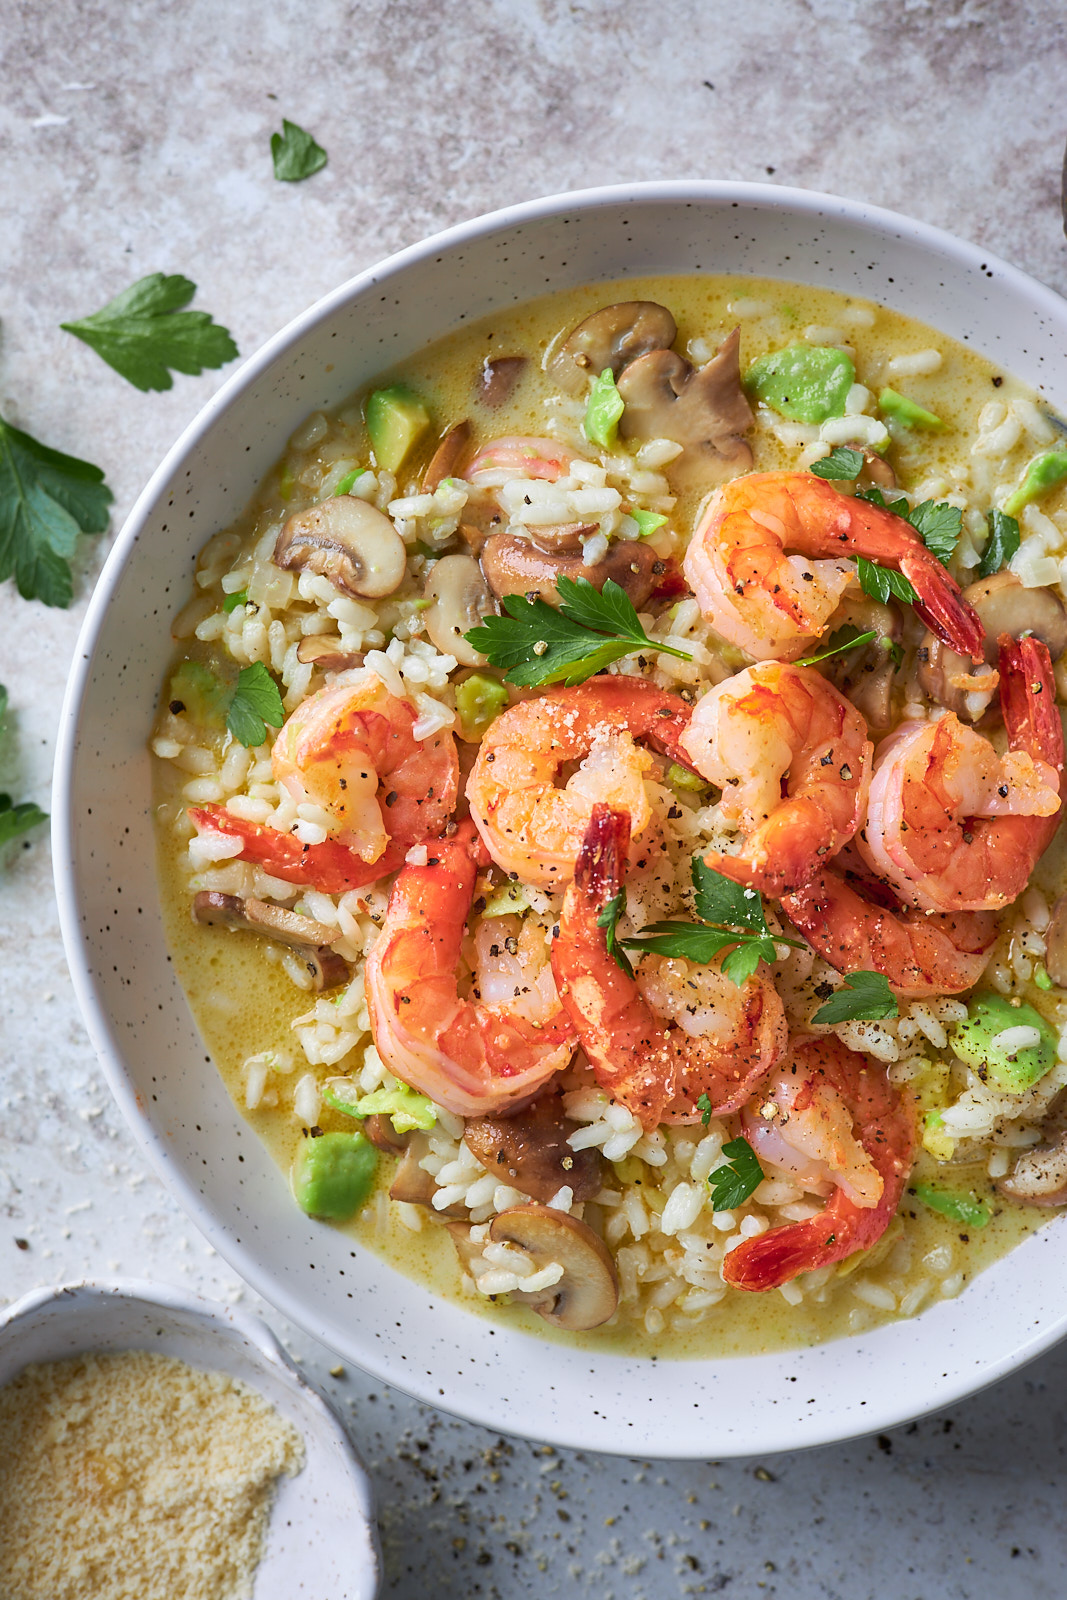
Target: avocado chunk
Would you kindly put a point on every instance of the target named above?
(989, 1040)
(1045, 472)
(333, 1175)
(907, 413)
(479, 701)
(805, 382)
(965, 1206)
(396, 420)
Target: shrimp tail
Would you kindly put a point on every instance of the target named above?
(602, 857)
(941, 605)
(1028, 699)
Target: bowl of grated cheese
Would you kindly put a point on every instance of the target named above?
(153, 1442)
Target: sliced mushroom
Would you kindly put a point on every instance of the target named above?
(346, 540)
(328, 652)
(514, 565)
(588, 1292)
(703, 409)
(612, 337)
(1040, 1176)
(1056, 944)
(379, 1130)
(878, 470)
(413, 1184)
(530, 1151)
(866, 675)
(445, 458)
(1004, 606)
(309, 939)
(498, 377)
(459, 598)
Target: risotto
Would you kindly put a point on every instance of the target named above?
(608, 789)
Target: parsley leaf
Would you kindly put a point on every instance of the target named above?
(842, 462)
(608, 920)
(295, 153)
(939, 525)
(705, 1107)
(256, 704)
(866, 997)
(853, 640)
(731, 916)
(537, 644)
(881, 582)
(15, 819)
(1001, 545)
(143, 332)
(46, 500)
(719, 899)
(732, 1185)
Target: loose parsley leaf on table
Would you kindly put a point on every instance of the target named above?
(842, 462)
(256, 704)
(144, 331)
(46, 500)
(537, 644)
(295, 153)
(15, 819)
(865, 997)
(1001, 545)
(732, 1185)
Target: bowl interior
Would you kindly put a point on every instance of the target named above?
(321, 1530)
(137, 1014)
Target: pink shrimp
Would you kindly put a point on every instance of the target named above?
(793, 760)
(470, 1056)
(724, 1040)
(952, 826)
(828, 1117)
(534, 829)
(773, 604)
(503, 459)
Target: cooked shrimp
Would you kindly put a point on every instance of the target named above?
(793, 761)
(503, 459)
(920, 954)
(830, 1118)
(535, 829)
(951, 825)
(350, 752)
(658, 1042)
(477, 1055)
(774, 604)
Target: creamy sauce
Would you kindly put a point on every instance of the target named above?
(241, 997)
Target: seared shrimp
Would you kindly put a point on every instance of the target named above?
(920, 954)
(830, 1118)
(658, 1042)
(951, 825)
(350, 752)
(793, 761)
(774, 604)
(502, 459)
(535, 829)
(473, 1056)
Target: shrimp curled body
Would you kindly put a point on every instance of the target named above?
(793, 760)
(828, 1117)
(772, 557)
(721, 1040)
(472, 1057)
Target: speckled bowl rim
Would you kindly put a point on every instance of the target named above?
(886, 1408)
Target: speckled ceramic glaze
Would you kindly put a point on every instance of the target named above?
(104, 847)
(322, 1538)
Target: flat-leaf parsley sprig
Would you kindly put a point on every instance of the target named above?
(144, 334)
(46, 500)
(731, 917)
(864, 997)
(537, 644)
(735, 1183)
(256, 705)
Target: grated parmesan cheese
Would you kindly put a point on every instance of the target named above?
(133, 1476)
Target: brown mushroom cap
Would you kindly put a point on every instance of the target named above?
(588, 1292)
(445, 458)
(514, 565)
(1004, 606)
(530, 1151)
(328, 652)
(346, 540)
(612, 337)
(459, 598)
(1040, 1176)
(498, 377)
(1056, 944)
(311, 940)
(412, 1183)
(703, 409)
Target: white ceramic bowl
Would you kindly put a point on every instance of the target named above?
(323, 1538)
(135, 1010)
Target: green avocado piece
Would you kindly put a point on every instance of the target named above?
(479, 701)
(333, 1175)
(1044, 473)
(603, 411)
(805, 382)
(969, 1208)
(396, 418)
(906, 413)
(975, 1042)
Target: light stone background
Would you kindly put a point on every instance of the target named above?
(134, 138)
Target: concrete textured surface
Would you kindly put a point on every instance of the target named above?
(134, 137)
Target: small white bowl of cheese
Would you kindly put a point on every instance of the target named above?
(321, 1537)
